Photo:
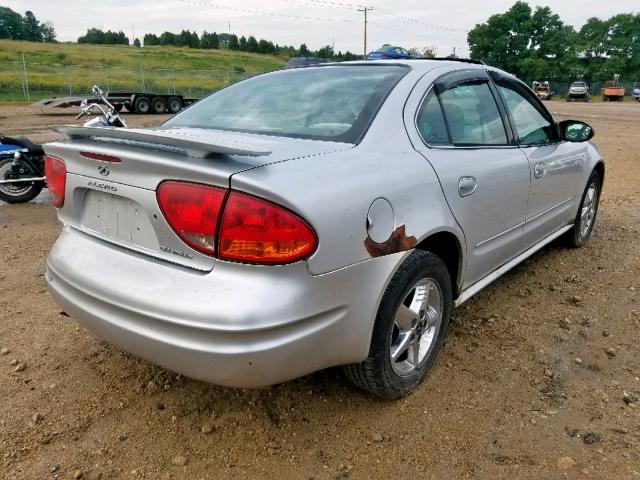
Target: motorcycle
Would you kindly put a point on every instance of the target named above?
(22, 171)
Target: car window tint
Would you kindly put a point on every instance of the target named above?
(473, 116)
(431, 124)
(532, 127)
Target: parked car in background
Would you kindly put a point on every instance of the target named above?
(388, 52)
(542, 90)
(273, 229)
(636, 91)
(578, 90)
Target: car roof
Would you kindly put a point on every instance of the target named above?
(418, 64)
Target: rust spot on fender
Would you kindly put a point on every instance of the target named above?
(398, 242)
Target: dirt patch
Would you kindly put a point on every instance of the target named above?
(539, 377)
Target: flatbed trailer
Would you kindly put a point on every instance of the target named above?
(134, 102)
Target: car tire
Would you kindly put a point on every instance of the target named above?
(585, 219)
(409, 325)
(142, 105)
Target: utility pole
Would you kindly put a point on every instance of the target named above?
(365, 10)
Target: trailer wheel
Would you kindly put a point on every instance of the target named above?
(117, 107)
(158, 105)
(142, 105)
(174, 104)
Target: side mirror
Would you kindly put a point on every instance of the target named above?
(576, 131)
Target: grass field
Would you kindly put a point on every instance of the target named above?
(71, 69)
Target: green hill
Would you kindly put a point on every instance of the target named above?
(58, 69)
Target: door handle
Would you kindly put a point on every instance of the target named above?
(539, 170)
(467, 186)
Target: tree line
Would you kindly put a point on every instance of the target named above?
(97, 36)
(538, 45)
(14, 26)
(213, 40)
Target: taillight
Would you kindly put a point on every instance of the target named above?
(56, 172)
(257, 231)
(192, 210)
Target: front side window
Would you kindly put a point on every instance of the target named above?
(533, 126)
(472, 115)
(334, 103)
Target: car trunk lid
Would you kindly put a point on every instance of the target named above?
(113, 175)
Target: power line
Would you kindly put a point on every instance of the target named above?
(324, 4)
(266, 14)
(413, 34)
(419, 23)
(382, 12)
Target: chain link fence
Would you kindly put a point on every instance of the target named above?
(35, 81)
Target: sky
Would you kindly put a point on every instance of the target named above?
(408, 23)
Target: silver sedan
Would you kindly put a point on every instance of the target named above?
(313, 217)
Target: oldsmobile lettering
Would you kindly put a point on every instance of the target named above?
(176, 252)
(102, 186)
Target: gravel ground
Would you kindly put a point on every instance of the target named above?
(539, 378)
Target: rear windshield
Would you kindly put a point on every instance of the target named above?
(326, 103)
(579, 84)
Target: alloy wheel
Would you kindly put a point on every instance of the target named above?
(415, 327)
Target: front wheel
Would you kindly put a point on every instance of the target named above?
(409, 328)
(585, 219)
(16, 192)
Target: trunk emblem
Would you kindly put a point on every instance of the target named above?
(103, 170)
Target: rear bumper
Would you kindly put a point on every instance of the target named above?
(238, 325)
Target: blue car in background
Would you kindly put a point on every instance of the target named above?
(389, 52)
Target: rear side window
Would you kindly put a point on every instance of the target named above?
(430, 122)
(472, 115)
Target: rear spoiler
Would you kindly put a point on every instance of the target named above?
(193, 145)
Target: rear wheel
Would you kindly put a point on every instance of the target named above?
(174, 104)
(158, 105)
(409, 328)
(580, 234)
(142, 105)
(17, 192)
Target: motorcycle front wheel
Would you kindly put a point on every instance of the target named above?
(16, 192)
